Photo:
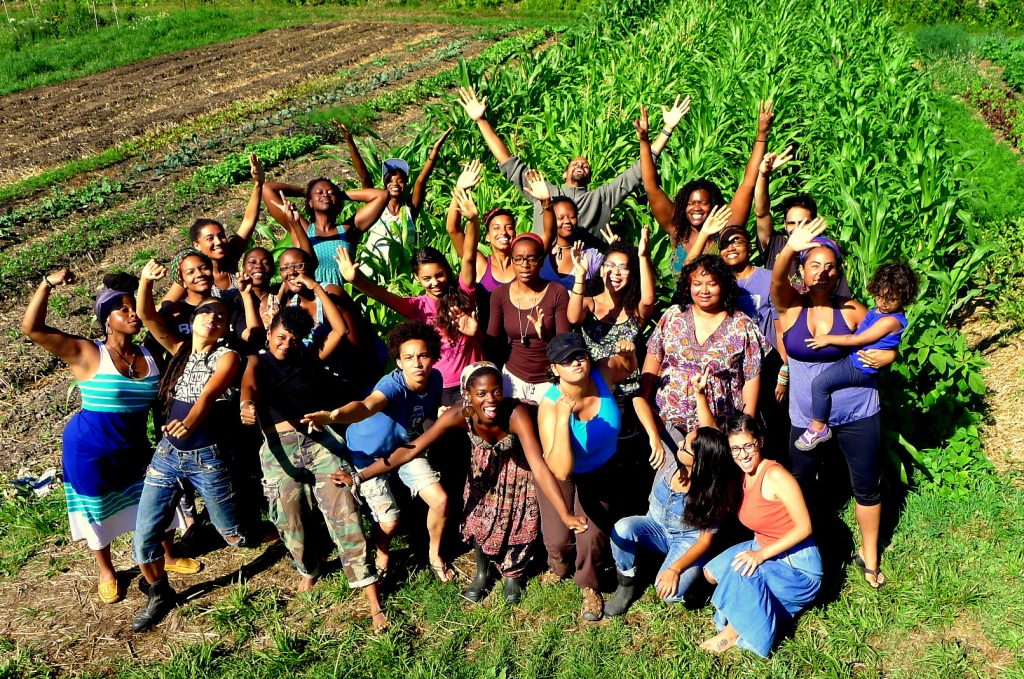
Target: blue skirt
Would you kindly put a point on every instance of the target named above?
(105, 457)
(757, 605)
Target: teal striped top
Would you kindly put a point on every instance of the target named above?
(108, 391)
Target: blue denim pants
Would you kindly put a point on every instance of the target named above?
(206, 470)
(757, 605)
(645, 532)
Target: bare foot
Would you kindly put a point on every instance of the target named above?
(307, 584)
(721, 642)
(380, 622)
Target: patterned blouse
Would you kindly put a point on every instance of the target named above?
(733, 351)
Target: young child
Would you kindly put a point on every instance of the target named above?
(389, 418)
(893, 286)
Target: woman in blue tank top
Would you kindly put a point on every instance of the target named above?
(579, 422)
(855, 410)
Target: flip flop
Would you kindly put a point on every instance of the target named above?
(877, 573)
(443, 572)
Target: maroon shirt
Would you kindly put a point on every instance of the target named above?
(528, 360)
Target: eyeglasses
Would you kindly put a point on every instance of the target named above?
(746, 448)
(578, 358)
(301, 266)
(526, 259)
(618, 268)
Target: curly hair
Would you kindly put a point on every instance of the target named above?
(715, 481)
(452, 297)
(679, 219)
(198, 225)
(413, 330)
(799, 200)
(294, 319)
(630, 293)
(309, 194)
(895, 281)
(716, 267)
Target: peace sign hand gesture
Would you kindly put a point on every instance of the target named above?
(642, 125)
(288, 208)
(259, 177)
(609, 235)
(773, 161)
(765, 116)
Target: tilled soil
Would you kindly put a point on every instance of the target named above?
(46, 126)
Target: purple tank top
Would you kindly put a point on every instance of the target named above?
(487, 281)
(849, 404)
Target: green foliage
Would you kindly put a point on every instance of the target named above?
(61, 204)
(235, 167)
(991, 12)
(27, 524)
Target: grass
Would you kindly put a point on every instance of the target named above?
(952, 608)
(166, 28)
(27, 524)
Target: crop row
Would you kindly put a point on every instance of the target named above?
(871, 149)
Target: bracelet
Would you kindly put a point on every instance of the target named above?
(756, 139)
(784, 368)
(573, 292)
(667, 132)
(50, 285)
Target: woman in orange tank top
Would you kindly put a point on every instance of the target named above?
(762, 583)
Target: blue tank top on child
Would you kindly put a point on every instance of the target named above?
(890, 341)
(593, 441)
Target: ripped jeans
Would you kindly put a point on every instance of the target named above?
(206, 470)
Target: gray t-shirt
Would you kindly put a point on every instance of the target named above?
(595, 206)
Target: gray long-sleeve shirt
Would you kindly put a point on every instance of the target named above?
(595, 206)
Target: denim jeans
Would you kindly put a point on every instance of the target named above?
(206, 470)
(757, 605)
(643, 532)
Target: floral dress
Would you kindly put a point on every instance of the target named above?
(501, 510)
(733, 351)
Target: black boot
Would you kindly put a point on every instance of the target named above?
(623, 597)
(477, 589)
(162, 598)
(513, 590)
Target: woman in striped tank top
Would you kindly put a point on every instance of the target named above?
(106, 448)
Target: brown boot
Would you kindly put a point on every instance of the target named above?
(593, 605)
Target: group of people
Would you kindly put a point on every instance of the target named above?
(533, 399)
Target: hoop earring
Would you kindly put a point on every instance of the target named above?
(467, 412)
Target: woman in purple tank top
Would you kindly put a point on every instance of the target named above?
(855, 409)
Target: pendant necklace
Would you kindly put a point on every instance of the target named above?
(132, 374)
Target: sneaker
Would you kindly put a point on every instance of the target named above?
(593, 605)
(810, 438)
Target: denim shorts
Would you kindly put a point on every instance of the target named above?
(417, 475)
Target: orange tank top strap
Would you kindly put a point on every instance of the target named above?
(769, 519)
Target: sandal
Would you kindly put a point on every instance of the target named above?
(810, 438)
(877, 573)
(379, 628)
(443, 572)
(183, 566)
(110, 591)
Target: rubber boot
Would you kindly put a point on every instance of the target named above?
(623, 597)
(513, 590)
(477, 589)
(161, 599)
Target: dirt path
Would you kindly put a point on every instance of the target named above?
(47, 126)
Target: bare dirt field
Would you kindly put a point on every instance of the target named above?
(44, 127)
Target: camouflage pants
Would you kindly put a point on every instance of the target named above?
(296, 468)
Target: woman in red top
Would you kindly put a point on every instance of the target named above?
(762, 583)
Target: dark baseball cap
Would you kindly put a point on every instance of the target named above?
(567, 346)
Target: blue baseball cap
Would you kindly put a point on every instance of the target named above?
(392, 164)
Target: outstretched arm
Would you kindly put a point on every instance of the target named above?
(475, 109)
(72, 349)
(350, 272)
(279, 191)
(537, 187)
(744, 196)
(450, 420)
(762, 203)
(719, 217)
(662, 207)
(365, 179)
(648, 281)
(376, 201)
(784, 295)
(469, 178)
(468, 209)
(419, 189)
(355, 411)
(240, 241)
(146, 309)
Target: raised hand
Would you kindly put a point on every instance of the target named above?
(256, 170)
(564, 406)
(346, 267)
(468, 324)
(580, 261)
(153, 271)
(765, 116)
(804, 234)
(717, 220)
(609, 235)
(474, 107)
(470, 175)
(642, 125)
(538, 321)
(773, 161)
(440, 141)
(671, 117)
(645, 241)
(536, 185)
(346, 134)
(699, 382)
(288, 208)
(465, 203)
(244, 284)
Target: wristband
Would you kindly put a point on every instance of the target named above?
(784, 368)
(667, 132)
(757, 139)
(49, 285)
